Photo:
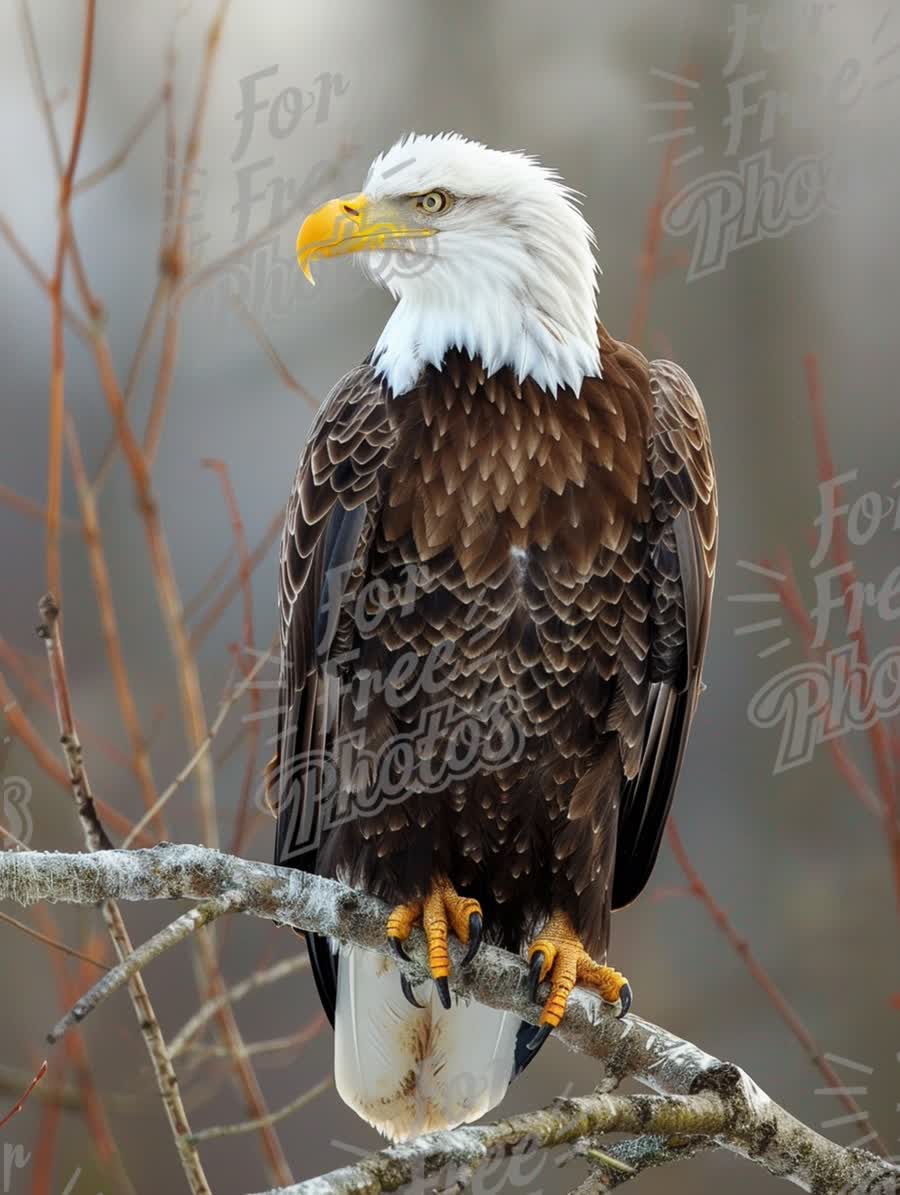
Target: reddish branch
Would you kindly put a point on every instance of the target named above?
(110, 629)
(20, 1103)
(172, 259)
(57, 340)
(269, 537)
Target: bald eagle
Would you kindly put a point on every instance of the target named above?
(495, 586)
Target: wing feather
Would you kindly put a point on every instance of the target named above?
(683, 566)
(335, 495)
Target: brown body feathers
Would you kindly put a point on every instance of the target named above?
(494, 606)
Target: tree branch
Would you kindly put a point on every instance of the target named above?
(723, 1101)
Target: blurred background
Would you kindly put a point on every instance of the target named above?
(739, 166)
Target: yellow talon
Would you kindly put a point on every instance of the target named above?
(442, 910)
(559, 955)
(402, 919)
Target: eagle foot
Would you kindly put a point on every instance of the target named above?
(558, 955)
(442, 910)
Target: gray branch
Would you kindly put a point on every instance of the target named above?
(716, 1100)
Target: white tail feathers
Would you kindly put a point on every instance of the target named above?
(407, 1070)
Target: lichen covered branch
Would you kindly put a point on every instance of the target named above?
(714, 1099)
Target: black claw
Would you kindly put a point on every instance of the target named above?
(406, 987)
(624, 1000)
(540, 1036)
(534, 974)
(398, 949)
(476, 933)
(443, 991)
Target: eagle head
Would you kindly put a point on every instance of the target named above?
(486, 251)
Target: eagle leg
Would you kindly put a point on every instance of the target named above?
(442, 910)
(559, 955)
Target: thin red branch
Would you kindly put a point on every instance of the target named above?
(277, 362)
(57, 340)
(48, 940)
(20, 1103)
(110, 629)
(119, 157)
(72, 318)
(172, 258)
(269, 537)
(30, 508)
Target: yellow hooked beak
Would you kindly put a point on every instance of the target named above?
(353, 224)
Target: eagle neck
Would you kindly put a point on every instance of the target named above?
(500, 332)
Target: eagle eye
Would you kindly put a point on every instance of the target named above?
(433, 202)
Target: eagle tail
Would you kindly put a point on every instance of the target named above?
(407, 1070)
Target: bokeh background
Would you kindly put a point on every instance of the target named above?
(794, 857)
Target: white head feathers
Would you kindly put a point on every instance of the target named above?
(509, 275)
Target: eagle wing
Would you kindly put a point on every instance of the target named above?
(333, 505)
(682, 566)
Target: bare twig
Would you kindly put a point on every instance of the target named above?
(30, 508)
(272, 353)
(72, 318)
(188, 923)
(230, 591)
(172, 257)
(20, 1103)
(119, 157)
(216, 1132)
(94, 834)
(259, 979)
(57, 367)
(46, 940)
(638, 1154)
(273, 1045)
(110, 628)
